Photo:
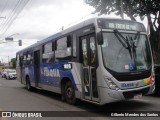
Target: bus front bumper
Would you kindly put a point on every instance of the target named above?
(109, 95)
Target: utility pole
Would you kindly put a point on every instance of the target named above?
(122, 9)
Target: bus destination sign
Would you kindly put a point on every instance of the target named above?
(120, 24)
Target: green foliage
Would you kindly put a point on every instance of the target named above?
(135, 8)
(132, 8)
(13, 60)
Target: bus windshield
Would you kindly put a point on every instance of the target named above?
(126, 52)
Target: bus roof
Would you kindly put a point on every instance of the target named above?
(68, 30)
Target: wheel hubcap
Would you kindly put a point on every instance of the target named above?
(69, 92)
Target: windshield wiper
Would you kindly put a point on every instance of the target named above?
(137, 36)
(117, 34)
(123, 41)
(133, 47)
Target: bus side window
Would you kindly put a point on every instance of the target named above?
(63, 51)
(53, 49)
(47, 53)
(21, 61)
(74, 46)
(24, 60)
(29, 58)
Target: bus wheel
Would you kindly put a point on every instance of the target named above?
(70, 93)
(28, 85)
(157, 92)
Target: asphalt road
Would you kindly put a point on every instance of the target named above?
(14, 97)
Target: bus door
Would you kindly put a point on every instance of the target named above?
(89, 61)
(37, 67)
(21, 68)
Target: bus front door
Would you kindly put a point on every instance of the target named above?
(37, 67)
(89, 61)
(21, 69)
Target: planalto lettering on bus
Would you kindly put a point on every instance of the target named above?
(51, 72)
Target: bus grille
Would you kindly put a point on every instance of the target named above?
(132, 77)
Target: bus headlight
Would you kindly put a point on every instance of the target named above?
(111, 84)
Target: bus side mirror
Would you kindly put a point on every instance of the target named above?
(99, 38)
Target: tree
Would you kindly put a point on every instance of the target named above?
(13, 60)
(134, 8)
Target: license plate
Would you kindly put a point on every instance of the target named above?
(138, 96)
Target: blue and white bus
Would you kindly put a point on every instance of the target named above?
(99, 60)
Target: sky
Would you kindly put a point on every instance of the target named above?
(41, 18)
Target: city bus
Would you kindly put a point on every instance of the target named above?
(99, 60)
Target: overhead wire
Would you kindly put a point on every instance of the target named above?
(9, 17)
(4, 7)
(7, 12)
(15, 12)
(14, 25)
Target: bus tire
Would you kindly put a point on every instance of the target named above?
(157, 91)
(28, 84)
(70, 93)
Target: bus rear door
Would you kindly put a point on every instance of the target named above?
(37, 67)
